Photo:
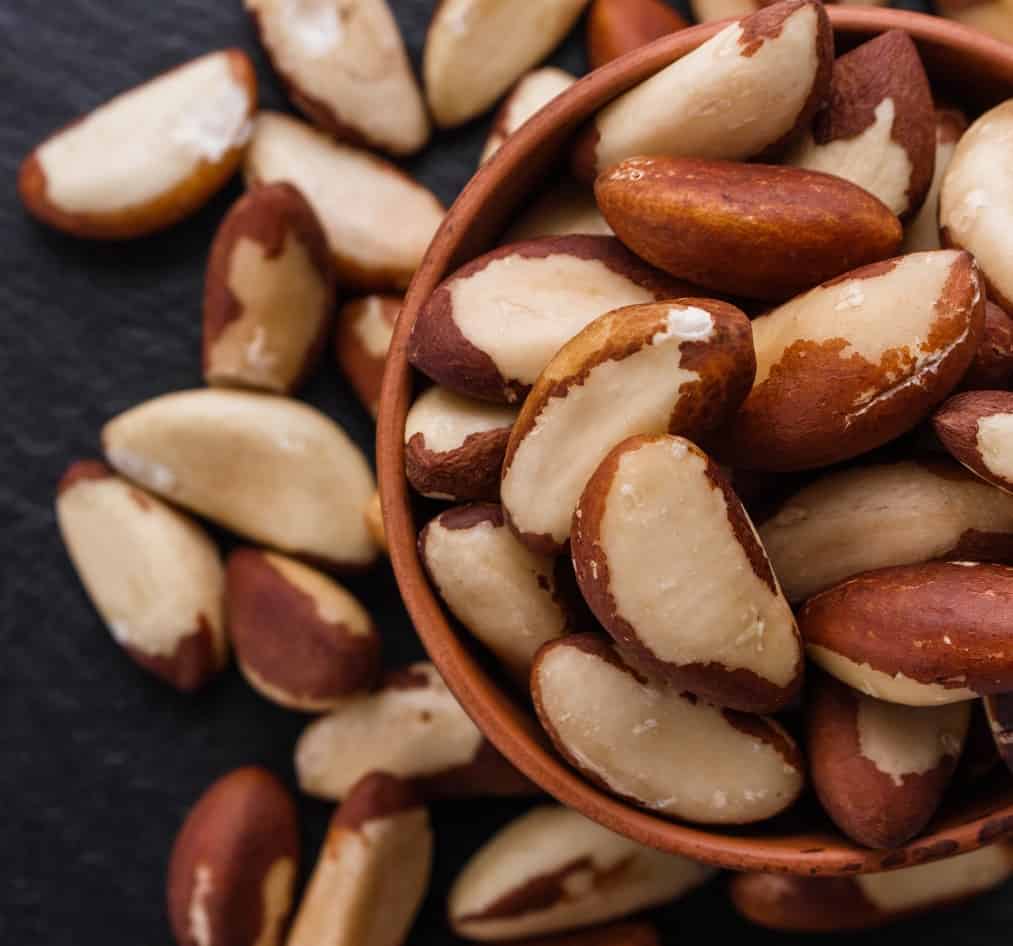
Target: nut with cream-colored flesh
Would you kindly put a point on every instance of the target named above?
(992, 367)
(372, 872)
(553, 870)
(616, 27)
(378, 220)
(345, 67)
(999, 710)
(411, 727)
(857, 361)
(362, 337)
(977, 428)
(923, 231)
(533, 92)
(196, 449)
(671, 565)
(681, 366)
(152, 573)
(148, 157)
(666, 751)
(743, 93)
(566, 208)
(268, 292)
(234, 863)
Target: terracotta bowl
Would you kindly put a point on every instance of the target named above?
(964, 65)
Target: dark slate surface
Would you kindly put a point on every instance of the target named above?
(100, 762)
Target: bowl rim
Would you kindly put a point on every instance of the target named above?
(485, 701)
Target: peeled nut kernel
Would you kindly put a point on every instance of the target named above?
(923, 231)
(234, 863)
(549, 289)
(994, 17)
(992, 367)
(454, 446)
(977, 428)
(755, 230)
(374, 522)
(152, 573)
(378, 221)
(564, 209)
(268, 292)
(616, 27)
(148, 157)
(301, 639)
(832, 904)
(857, 361)
(999, 710)
(361, 340)
(553, 870)
(372, 872)
(344, 66)
(196, 448)
(921, 635)
(744, 92)
(681, 366)
(411, 727)
(529, 95)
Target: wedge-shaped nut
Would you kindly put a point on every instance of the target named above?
(553, 870)
(148, 157)
(454, 446)
(500, 590)
(151, 572)
(378, 220)
(616, 27)
(567, 207)
(548, 289)
(754, 230)
(977, 428)
(411, 727)
(680, 366)
(833, 904)
(361, 340)
(916, 634)
(879, 127)
(372, 872)
(871, 517)
(923, 231)
(234, 863)
(742, 93)
(269, 468)
(880, 769)
(345, 67)
(666, 751)
(476, 49)
(999, 711)
(994, 17)
(632, 933)
(301, 639)
(374, 522)
(992, 367)
(857, 361)
(671, 565)
(268, 292)
(529, 95)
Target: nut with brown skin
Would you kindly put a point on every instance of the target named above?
(268, 292)
(152, 573)
(992, 367)
(745, 92)
(999, 711)
(565, 208)
(977, 428)
(616, 27)
(361, 339)
(186, 130)
(531, 93)
(234, 863)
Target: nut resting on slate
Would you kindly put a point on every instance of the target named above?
(152, 573)
(372, 871)
(532, 92)
(565, 208)
(268, 292)
(148, 157)
(977, 428)
(616, 27)
(992, 367)
(411, 727)
(234, 863)
(362, 337)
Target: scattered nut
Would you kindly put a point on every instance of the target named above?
(566, 208)
(977, 428)
(992, 367)
(531, 93)
(361, 339)
(616, 27)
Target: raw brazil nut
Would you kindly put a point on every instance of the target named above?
(362, 337)
(531, 93)
(977, 428)
(565, 208)
(616, 27)
(992, 367)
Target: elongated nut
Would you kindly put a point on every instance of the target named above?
(566, 208)
(372, 872)
(833, 904)
(531, 93)
(754, 230)
(857, 361)
(345, 67)
(551, 288)
(853, 521)
(880, 769)
(681, 366)
(999, 711)
(374, 522)
(666, 751)
(234, 863)
(923, 231)
(977, 428)
(993, 17)
(378, 221)
(744, 92)
(152, 573)
(553, 870)
(476, 49)
(301, 639)
(361, 340)
(268, 292)
(310, 482)
(616, 27)
(920, 635)
(992, 367)
(454, 446)
(411, 727)
(148, 157)
(500, 590)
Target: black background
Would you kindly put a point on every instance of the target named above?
(98, 761)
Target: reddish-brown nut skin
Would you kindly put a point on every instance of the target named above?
(471, 472)
(361, 366)
(992, 367)
(956, 425)
(999, 714)
(240, 828)
(633, 933)
(616, 27)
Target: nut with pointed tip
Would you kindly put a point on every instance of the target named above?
(992, 367)
(565, 208)
(977, 428)
(361, 339)
(616, 27)
(531, 93)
